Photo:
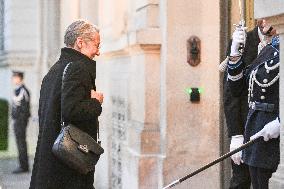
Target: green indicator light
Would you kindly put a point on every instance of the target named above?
(188, 90)
(200, 90)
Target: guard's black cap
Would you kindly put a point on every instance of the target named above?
(18, 73)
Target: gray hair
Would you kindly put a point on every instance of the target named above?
(79, 28)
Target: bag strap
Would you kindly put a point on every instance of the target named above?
(63, 75)
(94, 87)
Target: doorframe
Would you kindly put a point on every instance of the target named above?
(225, 23)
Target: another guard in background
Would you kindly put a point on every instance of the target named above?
(20, 115)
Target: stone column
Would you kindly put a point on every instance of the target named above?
(49, 34)
(275, 15)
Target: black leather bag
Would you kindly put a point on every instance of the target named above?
(76, 148)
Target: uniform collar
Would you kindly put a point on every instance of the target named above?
(73, 55)
(19, 86)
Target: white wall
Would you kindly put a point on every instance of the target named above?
(21, 31)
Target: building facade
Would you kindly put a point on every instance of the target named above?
(151, 131)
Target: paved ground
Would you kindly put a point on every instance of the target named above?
(9, 180)
(8, 162)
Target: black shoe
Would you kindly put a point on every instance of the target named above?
(20, 170)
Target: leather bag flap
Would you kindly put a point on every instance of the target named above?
(84, 139)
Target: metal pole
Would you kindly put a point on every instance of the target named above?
(176, 182)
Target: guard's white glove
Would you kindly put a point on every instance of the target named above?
(271, 130)
(238, 38)
(236, 142)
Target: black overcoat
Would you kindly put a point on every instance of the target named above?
(261, 82)
(77, 108)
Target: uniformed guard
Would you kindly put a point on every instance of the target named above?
(261, 82)
(235, 109)
(20, 116)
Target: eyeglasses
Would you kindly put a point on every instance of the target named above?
(97, 45)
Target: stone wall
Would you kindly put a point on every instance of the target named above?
(192, 130)
(129, 76)
(154, 134)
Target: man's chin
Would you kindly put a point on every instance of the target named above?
(95, 56)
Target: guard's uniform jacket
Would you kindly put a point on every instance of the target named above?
(20, 115)
(261, 82)
(21, 103)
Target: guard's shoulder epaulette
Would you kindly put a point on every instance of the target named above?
(275, 41)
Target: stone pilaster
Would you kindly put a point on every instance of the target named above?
(49, 34)
(131, 48)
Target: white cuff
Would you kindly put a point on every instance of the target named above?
(236, 77)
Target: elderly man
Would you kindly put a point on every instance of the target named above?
(78, 103)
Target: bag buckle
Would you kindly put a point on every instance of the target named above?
(83, 148)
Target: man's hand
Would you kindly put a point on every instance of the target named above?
(239, 37)
(236, 142)
(271, 130)
(97, 95)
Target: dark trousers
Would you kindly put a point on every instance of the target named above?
(20, 127)
(240, 177)
(260, 177)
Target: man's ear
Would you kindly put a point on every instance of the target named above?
(79, 42)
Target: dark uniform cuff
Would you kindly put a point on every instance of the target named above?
(235, 70)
